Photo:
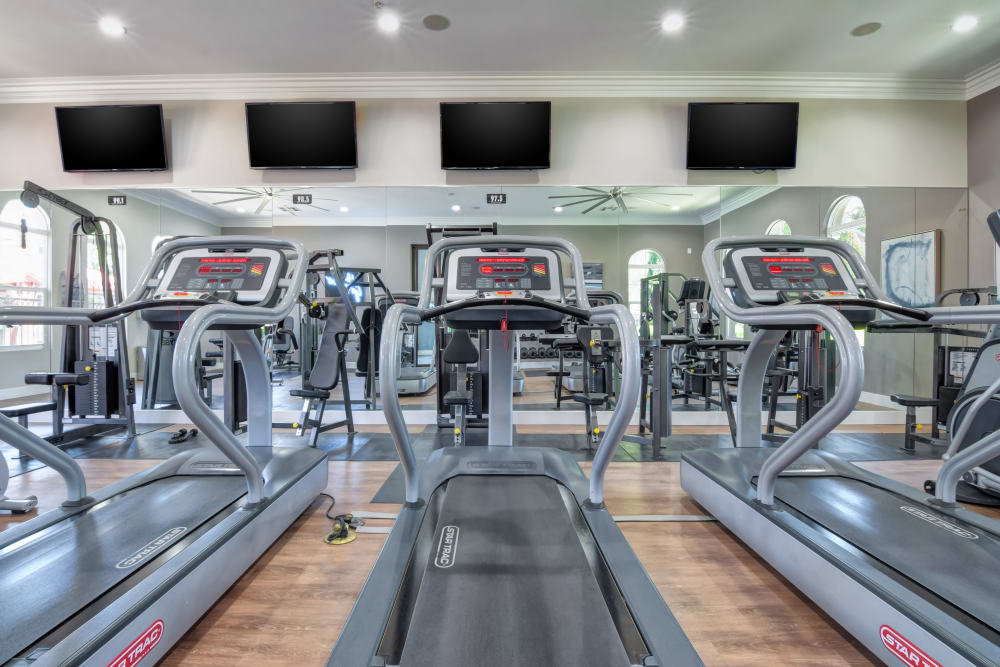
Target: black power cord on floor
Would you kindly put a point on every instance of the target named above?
(345, 526)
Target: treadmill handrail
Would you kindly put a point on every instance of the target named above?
(615, 314)
(751, 380)
(498, 242)
(474, 302)
(187, 353)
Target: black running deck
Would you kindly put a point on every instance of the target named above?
(512, 586)
(955, 561)
(49, 579)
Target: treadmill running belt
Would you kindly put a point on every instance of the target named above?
(933, 549)
(48, 580)
(508, 583)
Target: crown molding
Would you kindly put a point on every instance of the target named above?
(982, 80)
(737, 201)
(479, 85)
(173, 201)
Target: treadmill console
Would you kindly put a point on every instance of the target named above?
(247, 276)
(764, 276)
(473, 271)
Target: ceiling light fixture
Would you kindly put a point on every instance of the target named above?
(866, 29)
(964, 23)
(557, 209)
(456, 208)
(386, 20)
(675, 208)
(672, 22)
(240, 209)
(344, 209)
(111, 26)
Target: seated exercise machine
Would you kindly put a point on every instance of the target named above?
(505, 555)
(328, 370)
(116, 576)
(92, 392)
(911, 576)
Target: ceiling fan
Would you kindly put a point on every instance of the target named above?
(278, 198)
(618, 196)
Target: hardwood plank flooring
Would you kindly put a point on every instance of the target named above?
(289, 607)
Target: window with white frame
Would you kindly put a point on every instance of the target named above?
(642, 264)
(846, 222)
(779, 228)
(24, 271)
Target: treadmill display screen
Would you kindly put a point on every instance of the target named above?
(815, 273)
(199, 274)
(496, 273)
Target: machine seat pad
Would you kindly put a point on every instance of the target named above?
(460, 349)
(309, 393)
(25, 409)
(591, 399)
(913, 401)
(458, 398)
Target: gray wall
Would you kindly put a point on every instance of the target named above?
(984, 182)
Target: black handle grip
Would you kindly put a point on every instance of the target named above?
(885, 306)
(125, 309)
(535, 302)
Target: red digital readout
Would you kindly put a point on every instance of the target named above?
(786, 259)
(224, 260)
(486, 269)
(774, 269)
(492, 260)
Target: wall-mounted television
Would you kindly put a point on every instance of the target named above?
(302, 135)
(495, 135)
(112, 138)
(742, 135)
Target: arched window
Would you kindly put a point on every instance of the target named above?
(779, 228)
(641, 264)
(24, 271)
(846, 222)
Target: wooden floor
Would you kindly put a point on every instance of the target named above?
(289, 607)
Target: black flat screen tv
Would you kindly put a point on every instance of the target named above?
(302, 135)
(112, 138)
(742, 135)
(495, 135)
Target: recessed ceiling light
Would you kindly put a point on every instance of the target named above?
(111, 26)
(672, 22)
(964, 23)
(456, 208)
(557, 209)
(240, 209)
(344, 209)
(387, 21)
(675, 208)
(866, 29)
(436, 22)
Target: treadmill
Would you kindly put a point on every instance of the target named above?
(504, 555)
(912, 576)
(117, 576)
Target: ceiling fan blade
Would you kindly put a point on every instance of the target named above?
(606, 199)
(230, 201)
(261, 207)
(603, 192)
(574, 196)
(621, 204)
(218, 192)
(319, 207)
(584, 201)
(650, 201)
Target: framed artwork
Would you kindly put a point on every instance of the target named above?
(911, 268)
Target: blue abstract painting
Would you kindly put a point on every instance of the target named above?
(910, 269)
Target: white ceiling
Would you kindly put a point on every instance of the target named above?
(419, 205)
(52, 38)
